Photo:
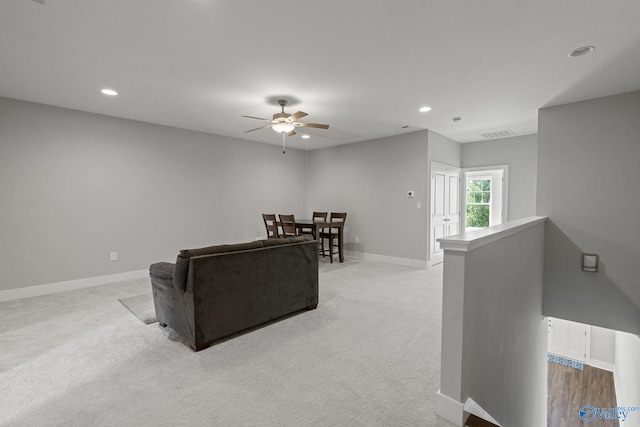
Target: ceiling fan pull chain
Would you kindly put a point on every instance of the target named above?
(284, 135)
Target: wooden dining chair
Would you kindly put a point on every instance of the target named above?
(331, 234)
(288, 223)
(317, 217)
(271, 224)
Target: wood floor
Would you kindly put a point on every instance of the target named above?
(474, 421)
(569, 389)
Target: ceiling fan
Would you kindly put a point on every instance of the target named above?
(286, 123)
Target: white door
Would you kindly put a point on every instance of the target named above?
(567, 339)
(445, 208)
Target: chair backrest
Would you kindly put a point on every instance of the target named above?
(288, 223)
(338, 216)
(271, 224)
(319, 217)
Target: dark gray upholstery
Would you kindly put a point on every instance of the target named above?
(211, 293)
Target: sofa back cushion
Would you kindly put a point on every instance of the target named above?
(182, 261)
(286, 240)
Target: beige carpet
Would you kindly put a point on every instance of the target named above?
(368, 356)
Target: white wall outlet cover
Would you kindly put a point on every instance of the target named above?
(411, 193)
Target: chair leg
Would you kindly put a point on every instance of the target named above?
(322, 244)
(331, 250)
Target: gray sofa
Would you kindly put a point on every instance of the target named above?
(218, 291)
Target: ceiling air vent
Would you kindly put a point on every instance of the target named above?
(498, 134)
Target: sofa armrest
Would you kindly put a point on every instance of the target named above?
(162, 273)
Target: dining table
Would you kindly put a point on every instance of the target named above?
(316, 226)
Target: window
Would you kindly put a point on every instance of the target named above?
(485, 198)
(478, 203)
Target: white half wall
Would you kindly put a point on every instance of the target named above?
(494, 337)
(628, 373)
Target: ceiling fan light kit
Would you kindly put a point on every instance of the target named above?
(285, 123)
(283, 127)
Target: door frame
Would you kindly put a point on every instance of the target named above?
(430, 250)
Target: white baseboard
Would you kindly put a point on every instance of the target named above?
(388, 259)
(450, 409)
(51, 288)
(600, 365)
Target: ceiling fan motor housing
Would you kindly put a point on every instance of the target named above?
(280, 117)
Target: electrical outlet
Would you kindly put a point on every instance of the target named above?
(114, 256)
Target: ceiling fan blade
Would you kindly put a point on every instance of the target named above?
(262, 127)
(312, 125)
(257, 118)
(291, 133)
(297, 115)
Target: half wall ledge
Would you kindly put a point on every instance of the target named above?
(471, 240)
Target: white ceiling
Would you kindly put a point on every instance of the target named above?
(362, 66)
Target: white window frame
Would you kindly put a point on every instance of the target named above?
(494, 172)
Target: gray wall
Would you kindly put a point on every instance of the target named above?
(602, 345)
(494, 337)
(520, 154)
(76, 186)
(444, 150)
(505, 335)
(588, 155)
(369, 180)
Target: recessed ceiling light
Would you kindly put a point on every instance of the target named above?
(306, 136)
(109, 92)
(457, 119)
(581, 51)
(424, 109)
